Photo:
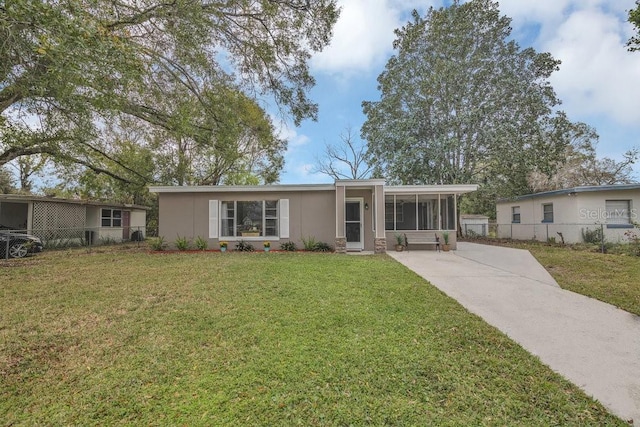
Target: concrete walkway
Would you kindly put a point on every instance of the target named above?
(594, 345)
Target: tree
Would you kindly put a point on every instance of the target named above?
(582, 167)
(6, 181)
(75, 64)
(462, 103)
(28, 167)
(345, 160)
(222, 137)
(634, 19)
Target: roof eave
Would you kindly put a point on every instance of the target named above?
(240, 188)
(432, 189)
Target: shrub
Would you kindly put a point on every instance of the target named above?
(322, 247)
(288, 246)
(634, 240)
(243, 246)
(182, 243)
(201, 243)
(592, 236)
(309, 243)
(472, 234)
(157, 244)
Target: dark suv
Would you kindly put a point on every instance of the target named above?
(18, 244)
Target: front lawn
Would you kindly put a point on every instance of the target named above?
(120, 336)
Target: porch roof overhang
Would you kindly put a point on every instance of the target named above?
(431, 189)
(348, 183)
(359, 184)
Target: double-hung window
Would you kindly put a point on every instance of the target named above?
(111, 218)
(547, 212)
(618, 213)
(515, 214)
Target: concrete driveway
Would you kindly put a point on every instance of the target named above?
(594, 345)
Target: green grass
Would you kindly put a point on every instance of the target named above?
(124, 337)
(612, 278)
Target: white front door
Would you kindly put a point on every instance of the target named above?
(353, 220)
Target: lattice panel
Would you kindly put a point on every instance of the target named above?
(58, 220)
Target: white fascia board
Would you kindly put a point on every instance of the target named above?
(431, 189)
(359, 182)
(20, 198)
(241, 188)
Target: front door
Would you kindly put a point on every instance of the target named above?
(353, 224)
(126, 224)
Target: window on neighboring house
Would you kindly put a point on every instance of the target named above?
(618, 213)
(257, 218)
(515, 214)
(111, 218)
(547, 212)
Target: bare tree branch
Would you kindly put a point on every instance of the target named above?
(346, 160)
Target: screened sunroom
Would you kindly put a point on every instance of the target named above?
(422, 211)
(415, 212)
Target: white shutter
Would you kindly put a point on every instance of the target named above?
(284, 218)
(213, 219)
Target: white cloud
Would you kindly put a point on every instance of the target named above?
(284, 131)
(304, 169)
(298, 140)
(598, 76)
(363, 35)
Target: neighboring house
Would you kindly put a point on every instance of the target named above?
(474, 225)
(58, 220)
(352, 215)
(570, 212)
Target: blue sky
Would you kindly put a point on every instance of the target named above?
(598, 81)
